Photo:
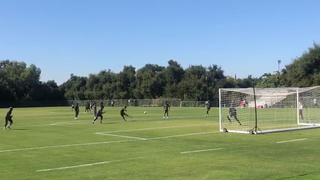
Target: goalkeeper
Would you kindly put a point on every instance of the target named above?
(233, 114)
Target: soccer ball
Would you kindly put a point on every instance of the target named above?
(145, 112)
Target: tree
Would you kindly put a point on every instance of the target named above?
(150, 81)
(75, 87)
(194, 85)
(19, 82)
(174, 73)
(305, 70)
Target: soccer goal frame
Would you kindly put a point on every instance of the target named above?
(268, 110)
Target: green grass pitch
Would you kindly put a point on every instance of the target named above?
(47, 143)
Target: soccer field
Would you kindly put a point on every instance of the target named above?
(47, 143)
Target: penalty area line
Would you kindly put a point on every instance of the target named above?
(291, 140)
(85, 165)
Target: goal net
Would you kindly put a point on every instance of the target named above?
(263, 110)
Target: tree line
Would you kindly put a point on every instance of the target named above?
(19, 82)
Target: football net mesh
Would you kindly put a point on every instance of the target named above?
(260, 110)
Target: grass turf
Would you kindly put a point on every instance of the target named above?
(47, 143)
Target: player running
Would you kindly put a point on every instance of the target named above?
(76, 111)
(166, 109)
(233, 114)
(94, 107)
(8, 119)
(123, 113)
(99, 114)
(101, 105)
(87, 108)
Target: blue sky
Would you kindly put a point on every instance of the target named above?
(244, 37)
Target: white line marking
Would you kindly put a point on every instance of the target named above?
(62, 146)
(122, 136)
(182, 135)
(292, 140)
(103, 142)
(67, 123)
(85, 165)
(145, 129)
(202, 150)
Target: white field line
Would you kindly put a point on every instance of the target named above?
(291, 140)
(68, 123)
(122, 136)
(146, 129)
(103, 142)
(202, 150)
(183, 135)
(53, 124)
(62, 146)
(85, 165)
(161, 137)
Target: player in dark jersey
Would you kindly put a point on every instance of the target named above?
(166, 109)
(99, 114)
(94, 107)
(101, 105)
(72, 107)
(76, 111)
(8, 119)
(233, 114)
(123, 113)
(208, 106)
(87, 108)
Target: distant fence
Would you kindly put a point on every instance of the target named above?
(114, 102)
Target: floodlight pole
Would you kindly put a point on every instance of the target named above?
(279, 62)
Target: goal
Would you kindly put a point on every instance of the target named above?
(266, 110)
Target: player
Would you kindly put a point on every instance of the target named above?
(99, 114)
(72, 107)
(123, 113)
(76, 111)
(233, 114)
(87, 108)
(94, 107)
(300, 106)
(208, 106)
(8, 119)
(101, 105)
(166, 109)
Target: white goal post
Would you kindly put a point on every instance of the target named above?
(265, 110)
